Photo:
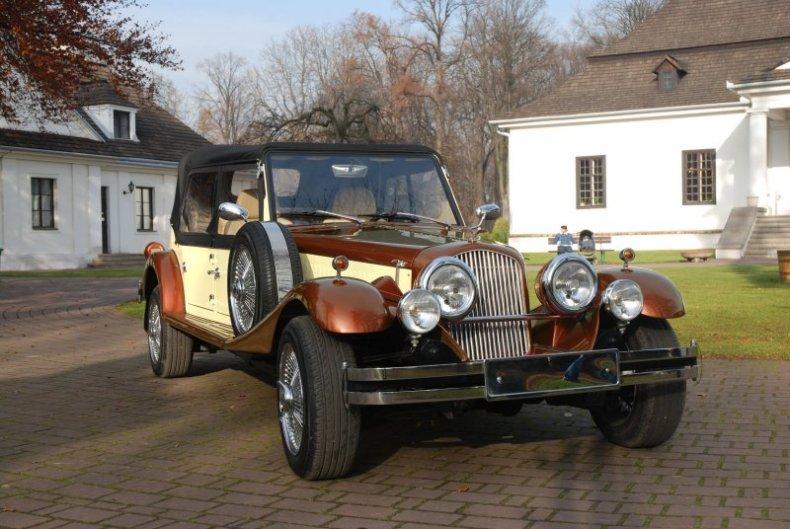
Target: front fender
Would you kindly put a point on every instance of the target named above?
(341, 306)
(662, 298)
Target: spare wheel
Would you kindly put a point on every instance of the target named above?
(264, 265)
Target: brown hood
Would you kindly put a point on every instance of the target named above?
(416, 245)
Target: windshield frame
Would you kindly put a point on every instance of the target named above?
(441, 173)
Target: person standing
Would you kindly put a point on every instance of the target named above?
(564, 240)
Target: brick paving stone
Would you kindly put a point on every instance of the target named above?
(90, 438)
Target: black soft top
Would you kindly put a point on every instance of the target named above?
(224, 155)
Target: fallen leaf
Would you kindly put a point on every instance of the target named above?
(463, 488)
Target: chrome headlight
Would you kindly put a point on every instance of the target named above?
(570, 283)
(453, 283)
(623, 298)
(419, 311)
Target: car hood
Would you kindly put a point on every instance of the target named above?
(413, 244)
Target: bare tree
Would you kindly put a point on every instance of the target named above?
(175, 102)
(508, 63)
(227, 102)
(445, 30)
(611, 20)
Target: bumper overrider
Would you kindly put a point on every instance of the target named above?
(526, 377)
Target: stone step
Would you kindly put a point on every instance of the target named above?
(118, 261)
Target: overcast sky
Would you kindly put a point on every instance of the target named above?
(201, 28)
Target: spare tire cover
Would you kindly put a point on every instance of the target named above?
(264, 266)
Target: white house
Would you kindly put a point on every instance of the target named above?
(664, 135)
(101, 182)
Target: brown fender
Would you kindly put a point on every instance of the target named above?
(162, 268)
(341, 306)
(662, 297)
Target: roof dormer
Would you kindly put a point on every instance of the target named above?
(668, 73)
(117, 122)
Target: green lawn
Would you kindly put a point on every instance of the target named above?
(733, 311)
(642, 257)
(133, 308)
(79, 272)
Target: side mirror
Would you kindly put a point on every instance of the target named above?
(488, 212)
(230, 211)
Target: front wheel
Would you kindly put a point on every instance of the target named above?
(647, 415)
(320, 433)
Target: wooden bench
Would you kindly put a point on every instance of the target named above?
(600, 241)
(697, 256)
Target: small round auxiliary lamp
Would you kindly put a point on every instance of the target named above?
(627, 255)
(340, 264)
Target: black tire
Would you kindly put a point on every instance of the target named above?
(330, 436)
(175, 347)
(254, 238)
(647, 415)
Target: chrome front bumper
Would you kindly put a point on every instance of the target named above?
(526, 377)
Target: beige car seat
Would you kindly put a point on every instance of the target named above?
(353, 201)
(247, 199)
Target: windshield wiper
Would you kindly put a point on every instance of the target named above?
(408, 216)
(320, 213)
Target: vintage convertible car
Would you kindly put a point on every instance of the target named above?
(352, 272)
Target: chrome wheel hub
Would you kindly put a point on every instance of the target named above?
(154, 333)
(243, 292)
(291, 399)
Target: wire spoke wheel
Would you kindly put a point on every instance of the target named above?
(291, 399)
(243, 291)
(155, 333)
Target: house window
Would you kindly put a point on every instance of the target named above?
(42, 191)
(121, 124)
(591, 182)
(699, 177)
(144, 200)
(667, 81)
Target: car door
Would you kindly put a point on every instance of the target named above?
(239, 185)
(194, 244)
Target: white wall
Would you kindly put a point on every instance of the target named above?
(76, 239)
(779, 166)
(643, 179)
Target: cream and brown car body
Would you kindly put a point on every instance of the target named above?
(529, 348)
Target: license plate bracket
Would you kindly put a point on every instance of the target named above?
(551, 374)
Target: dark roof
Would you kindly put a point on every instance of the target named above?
(216, 155)
(161, 136)
(704, 40)
(694, 23)
(102, 93)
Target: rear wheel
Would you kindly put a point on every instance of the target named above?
(646, 415)
(320, 433)
(169, 350)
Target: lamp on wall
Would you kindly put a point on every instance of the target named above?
(130, 188)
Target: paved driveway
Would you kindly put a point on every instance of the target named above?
(89, 437)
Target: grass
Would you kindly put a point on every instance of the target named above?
(733, 311)
(133, 309)
(79, 272)
(642, 257)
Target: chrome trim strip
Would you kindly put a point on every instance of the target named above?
(656, 377)
(381, 398)
(379, 374)
(282, 258)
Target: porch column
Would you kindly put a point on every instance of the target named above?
(758, 157)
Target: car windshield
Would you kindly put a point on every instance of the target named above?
(309, 188)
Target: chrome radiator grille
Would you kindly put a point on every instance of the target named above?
(501, 280)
